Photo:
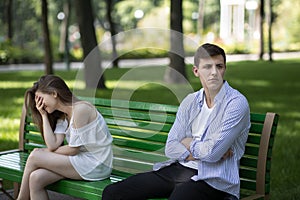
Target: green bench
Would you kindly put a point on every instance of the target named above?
(140, 130)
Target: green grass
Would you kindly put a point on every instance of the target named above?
(268, 86)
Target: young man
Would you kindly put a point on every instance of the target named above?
(204, 145)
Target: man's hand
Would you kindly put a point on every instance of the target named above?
(187, 142)
(229, 153)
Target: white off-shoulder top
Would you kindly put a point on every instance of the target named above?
(94, 161)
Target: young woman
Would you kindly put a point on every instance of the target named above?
(60, 115)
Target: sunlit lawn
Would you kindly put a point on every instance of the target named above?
(268, 86)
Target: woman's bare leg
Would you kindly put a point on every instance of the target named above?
(39, 179)
(43, 159)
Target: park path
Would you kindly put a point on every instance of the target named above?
(142, 62)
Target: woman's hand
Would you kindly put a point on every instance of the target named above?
(39, 101)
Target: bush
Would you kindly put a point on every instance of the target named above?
(144, 53)
(11, 54)
(3, 57)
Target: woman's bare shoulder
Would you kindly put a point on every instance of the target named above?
(83, 113)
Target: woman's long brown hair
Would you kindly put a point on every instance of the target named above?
(48, 84)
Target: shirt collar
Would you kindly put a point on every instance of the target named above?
(218, 97)
(221, 94)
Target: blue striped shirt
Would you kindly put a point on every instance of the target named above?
(227, 128)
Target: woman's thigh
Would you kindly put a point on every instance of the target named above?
(57, 163)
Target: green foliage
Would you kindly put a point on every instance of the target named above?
(237, 48)
(27, 41)
(144, 53)
(125, 12)
(286, 26)
(14, 54)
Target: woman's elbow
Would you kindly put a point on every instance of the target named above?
(75, 152)
(52, 148)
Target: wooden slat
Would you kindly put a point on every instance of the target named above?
(147, 135)
(144, 125)
(132, 105)
(138, 155)
(257, 117)
(253, 139)
(122, 113)
(34, 138)
(137, 144)
(31, 128)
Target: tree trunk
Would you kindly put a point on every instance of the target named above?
(64, 34)
(9, 6)
(113, 32)
(201, 17)
(270, 22)
(47, 44)
(175, 73)
(94, 77)
(261, 26)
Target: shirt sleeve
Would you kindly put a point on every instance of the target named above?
(175, 150)
(223, 131)
(61, 126)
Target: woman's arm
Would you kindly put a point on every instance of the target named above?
(67, 150)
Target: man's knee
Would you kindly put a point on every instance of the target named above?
(110, 192)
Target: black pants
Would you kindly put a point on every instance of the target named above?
(173, 182)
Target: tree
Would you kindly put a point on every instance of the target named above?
(94, 77)
(47, 43)
(8, 16)
(113, 32)
(261, 26)
(64, 33)
(270, 22)
(175, 73)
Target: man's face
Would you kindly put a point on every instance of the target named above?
(211, 72)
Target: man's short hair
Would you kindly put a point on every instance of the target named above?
(208, 50)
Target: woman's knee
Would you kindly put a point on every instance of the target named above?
(34, 156)
(36, 180)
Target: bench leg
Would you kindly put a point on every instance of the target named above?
(4, 191)
(16, 190)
